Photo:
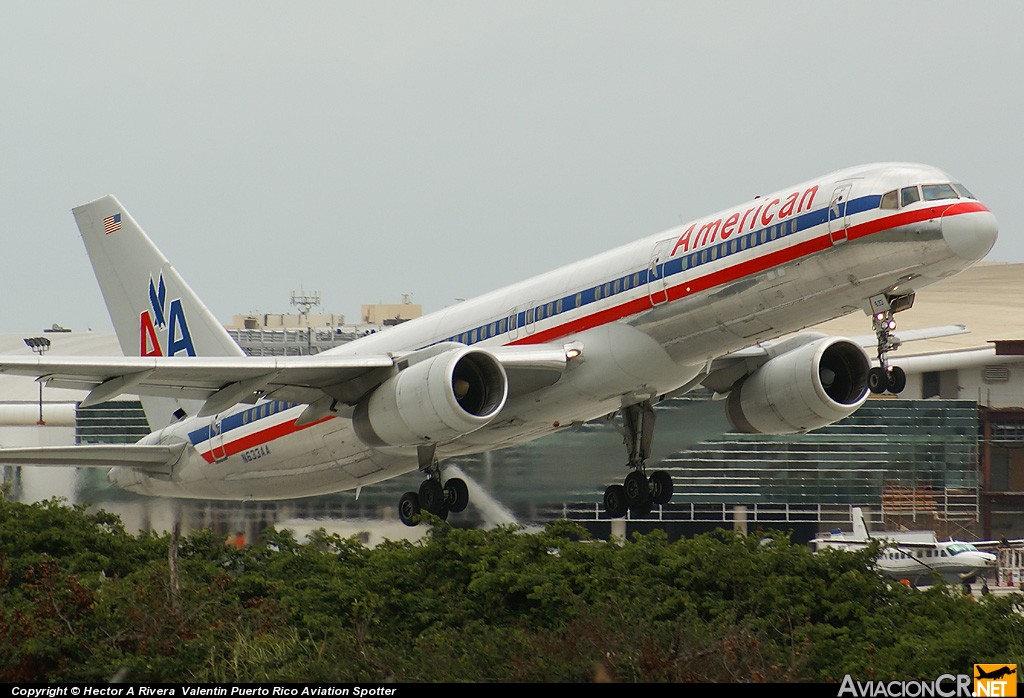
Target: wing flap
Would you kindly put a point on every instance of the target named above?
(221, 382)
(150, 458)
(195, 377)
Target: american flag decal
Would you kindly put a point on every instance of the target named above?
(111, 224)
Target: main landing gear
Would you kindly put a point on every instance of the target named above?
(433, 496)
(639, 492)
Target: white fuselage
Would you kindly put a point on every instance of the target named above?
(649, 316)
(921, 563)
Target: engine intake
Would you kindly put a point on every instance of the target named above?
(436, 399)
(805, 388)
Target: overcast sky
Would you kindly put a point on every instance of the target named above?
(443, 149)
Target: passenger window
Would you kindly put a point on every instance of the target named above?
(934, 192)
(579, 299)
(889, 200)
(909, 195)
(962, 191)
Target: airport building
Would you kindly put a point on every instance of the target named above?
(946, 455)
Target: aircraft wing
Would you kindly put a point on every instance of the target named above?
(867, 341)
(724, 371)
(222, 382)
(153, 458)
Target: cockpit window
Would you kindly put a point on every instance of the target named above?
(889, 200)
(962, 191)
(909, 195)
(960, 548)
(934, 192)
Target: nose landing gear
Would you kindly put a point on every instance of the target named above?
(886, 377)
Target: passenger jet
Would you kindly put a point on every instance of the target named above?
(718, 302)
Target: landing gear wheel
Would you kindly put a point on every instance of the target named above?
(642, 509)
(432, 498)
(878, 380)
(456, 494)
(409, 508)
(897, 380)
(661, 487)
(637, 489)
(615, 501)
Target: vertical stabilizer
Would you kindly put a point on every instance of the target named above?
(860, 528)
(153, 310)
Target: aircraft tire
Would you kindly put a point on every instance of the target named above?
(615, 501)
(637, 489)
(642, 509)
(409, 508)
(661, 487)
(432, 498)
(897, 380)
(456, 494)
(878, 380)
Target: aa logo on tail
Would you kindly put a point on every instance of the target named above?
(163, 317)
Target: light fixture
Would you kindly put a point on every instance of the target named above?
(39, 345)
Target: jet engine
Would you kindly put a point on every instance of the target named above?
(805, 388)
(434, 399)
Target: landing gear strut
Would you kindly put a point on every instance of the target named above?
(433, 496)
(638, 493)
(886, 377)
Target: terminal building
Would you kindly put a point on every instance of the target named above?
(946, 455)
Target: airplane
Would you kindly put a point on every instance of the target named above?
(917, 556)
(718, 302)
(999, 673)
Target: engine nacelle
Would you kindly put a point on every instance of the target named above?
(805, 388)
(433, 400)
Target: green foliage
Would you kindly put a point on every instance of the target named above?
(82, 600)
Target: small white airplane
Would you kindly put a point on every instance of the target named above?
(917, 556)
(695, 305)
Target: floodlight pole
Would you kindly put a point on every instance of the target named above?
(39, 345)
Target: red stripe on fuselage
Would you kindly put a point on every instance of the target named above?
(258, 438)
(745, 268)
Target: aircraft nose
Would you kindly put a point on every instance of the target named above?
(970, 230)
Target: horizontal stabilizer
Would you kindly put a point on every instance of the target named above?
(150, 458)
